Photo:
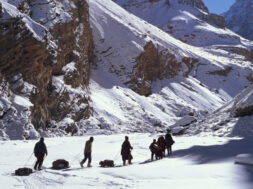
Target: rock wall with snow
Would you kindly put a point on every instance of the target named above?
(45, 56)
(233, 119)
(169, 79)
(239, 18)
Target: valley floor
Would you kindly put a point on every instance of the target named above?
(197, 162)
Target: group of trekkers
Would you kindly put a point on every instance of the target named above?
(157, 149)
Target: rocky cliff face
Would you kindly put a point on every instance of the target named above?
(47, 51)
(198, 4)
(239, 18)
(153, 64)
(45, 54)
(204, 14)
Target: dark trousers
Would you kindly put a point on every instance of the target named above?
(128, 157)
(152, 156)
(169, 150)
(87, 155)
(39, 162)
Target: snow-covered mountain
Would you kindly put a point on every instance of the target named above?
(142, 79)
(177, 79)
(239, 18)
(233, 119)
(187, 20)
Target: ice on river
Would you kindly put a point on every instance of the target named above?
(197, 162)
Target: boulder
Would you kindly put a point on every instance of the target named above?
(181, 125)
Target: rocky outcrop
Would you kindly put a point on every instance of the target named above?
(154, 64)
(195, 3)
(215, 19)
(223, 72)
(50, 54)
(245, 52)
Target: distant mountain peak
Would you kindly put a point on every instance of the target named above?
(239, 18)
(194, 3)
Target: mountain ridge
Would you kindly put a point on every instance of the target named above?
(238, 18)
(135, 77)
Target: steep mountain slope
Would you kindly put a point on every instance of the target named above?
(174, 79)
(187, 20)
(239, 18)
(142, 78)
(45, 54)
(233, 119)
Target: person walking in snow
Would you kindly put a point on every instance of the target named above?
(153, 148)
(162, 146)
(40, 151)
(87, 152)
(126, 151)
(169, 142)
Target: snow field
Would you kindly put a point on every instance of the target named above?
(198, 162)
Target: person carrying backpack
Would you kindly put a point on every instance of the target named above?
(87, 152)
(126, 151)
(162, 146)
(169, 142)
(153, 148)
(40, 151)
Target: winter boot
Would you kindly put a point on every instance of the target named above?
(35, 166)
(129, 162)
(81, 164)
(40, 165)
(89, 165)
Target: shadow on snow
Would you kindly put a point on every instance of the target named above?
(219, 153)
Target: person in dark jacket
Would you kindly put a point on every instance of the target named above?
(40, 151)
(169, 142)
(126, 151)
(154, 149)
(87, 152)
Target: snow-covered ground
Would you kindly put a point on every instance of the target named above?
(198, 162)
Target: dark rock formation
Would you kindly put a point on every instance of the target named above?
(154, 64)
(38, 61)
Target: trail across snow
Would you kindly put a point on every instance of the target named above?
(198, 162)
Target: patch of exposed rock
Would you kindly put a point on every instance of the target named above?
(195, 3)
(246, 53)
(215, 19)
(46, 57)
(153, 64)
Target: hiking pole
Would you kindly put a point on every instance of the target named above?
(76, 157)
(28, 159)
(116, 156)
